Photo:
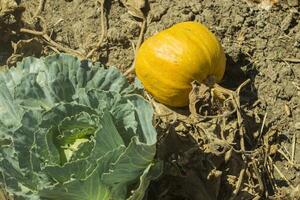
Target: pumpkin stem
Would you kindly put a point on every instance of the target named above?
(210, 81)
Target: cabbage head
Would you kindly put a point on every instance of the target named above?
(74, 130)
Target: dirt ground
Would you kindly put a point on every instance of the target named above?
(261, 45)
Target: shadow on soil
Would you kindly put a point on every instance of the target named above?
(192, 173)
(238, 72)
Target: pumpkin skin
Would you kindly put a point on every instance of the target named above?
(168, 62)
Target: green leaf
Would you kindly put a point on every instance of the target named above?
(73, 129)
(59, 112)
(82, 125)
(90, 188)
(10, 114)
(153, 171)
(144, 113)
(131, 163)
(71, 170)
(106, 138)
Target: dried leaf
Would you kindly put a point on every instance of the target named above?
(200, 94)
(167, 114)
(24, 48)
(135, 7)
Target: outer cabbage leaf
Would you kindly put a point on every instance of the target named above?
(71, 129)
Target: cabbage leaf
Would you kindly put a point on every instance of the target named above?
(75, 130)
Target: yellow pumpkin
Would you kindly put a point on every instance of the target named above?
(168, 62)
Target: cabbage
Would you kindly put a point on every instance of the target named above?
(75, 130)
